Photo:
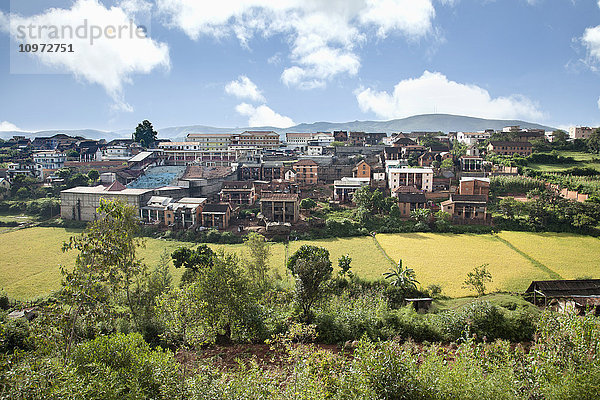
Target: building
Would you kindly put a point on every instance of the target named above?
(238, 193)
(185, 153)
(580, 132)
(272, 170)
(306, 172)
(474, 186)
(280, 207)
(366, 138)
(581, 295)
(185, 213)
(408, 202)
(343, 189)
(523, 149)
(216, 216)
(80, 203)
(421, 178)
(362, 170)
(471, 138)
(471, 164)
(467, 209)
(266, 140)
(210, 141)
(24, 168)
(50, 159)
(298, 139)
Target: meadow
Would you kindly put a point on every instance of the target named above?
(29, 264)
(582, 160)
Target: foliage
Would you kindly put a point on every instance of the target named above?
(258, 258)
(593, 142)
(307, 204)
(311, 267)
(145, 134)
(401, 277)
(477, 279)
(501, 185)
(344, 265)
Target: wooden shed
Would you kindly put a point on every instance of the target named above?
(582, 295)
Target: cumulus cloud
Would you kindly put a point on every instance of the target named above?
(263, 116)
(591, 40)
(6, 126)
(109, 62)
(323, 34)
(433, 91)
(244, 88)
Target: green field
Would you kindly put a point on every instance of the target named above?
(583, 160)
(30, 260)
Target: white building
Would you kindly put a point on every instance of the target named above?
(50, 159)
(470, 138)
(343, 189)
(421, 178)
(116, 152)
(210, 141)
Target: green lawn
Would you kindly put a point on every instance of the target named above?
(30, 260)
(585, 160)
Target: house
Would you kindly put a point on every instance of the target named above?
(428, 158)
(580, 132)
(306, 172)
(290, 175)
(280, 207)
(154, 210)
(185, 213)
(24, 168)
(343, 189)
(216, 216)
(472, 138)
(474, 186)
(421, 178)
(238, 192)
(408, 202)
(271, 170)
(471, 163)
(510, 148)
(362, 170)
(50, 159)
(582, 295)
(340, 136)
(467, 209)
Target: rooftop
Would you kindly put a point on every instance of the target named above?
(280, 197)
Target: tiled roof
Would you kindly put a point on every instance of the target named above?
(280, 197)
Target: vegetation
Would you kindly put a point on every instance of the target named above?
(477, 279)
(145, 134)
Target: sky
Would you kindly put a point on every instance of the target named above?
(238, 63)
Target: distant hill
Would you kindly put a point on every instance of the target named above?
(428, 122)
(86, 133)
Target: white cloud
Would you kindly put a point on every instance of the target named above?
(108, 62)
(591, 40)
(263, 116)
(6, 126)
(244, 88)
(323, 34)
(433, 92)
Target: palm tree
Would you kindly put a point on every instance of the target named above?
(403, 278)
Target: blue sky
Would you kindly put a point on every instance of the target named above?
(259, 62)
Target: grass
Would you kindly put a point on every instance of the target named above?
(582, 160)
(445, 259)
(29, 264)
(570, 256)
(499, 299)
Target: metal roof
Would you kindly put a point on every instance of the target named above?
(567, 288)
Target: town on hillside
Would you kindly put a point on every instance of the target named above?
(259, 181)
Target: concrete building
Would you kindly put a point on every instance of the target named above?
(421, 178)
(280, 207)
(511, 148)
(580, 132)
(80, 203)
(50, 159)
(343, 189)
(408, 202)
(306, 172)
(362, 170)
(210, 141)
(471, 138)
(238, 193)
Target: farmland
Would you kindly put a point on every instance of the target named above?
(29, 264)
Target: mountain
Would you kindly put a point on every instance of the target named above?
(428, 122)
(86, 133)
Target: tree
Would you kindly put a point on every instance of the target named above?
(510, 207)
(593, 142)
(194, 261)
(477, 279)
(559, 137)
(145, 134)
(448, 163)
(422, 215)
(311, 267)
(344, 264)
(258, 258)
(307, 204)
(93, 175)
(106, 263)
(220, 301)
(402, 278)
